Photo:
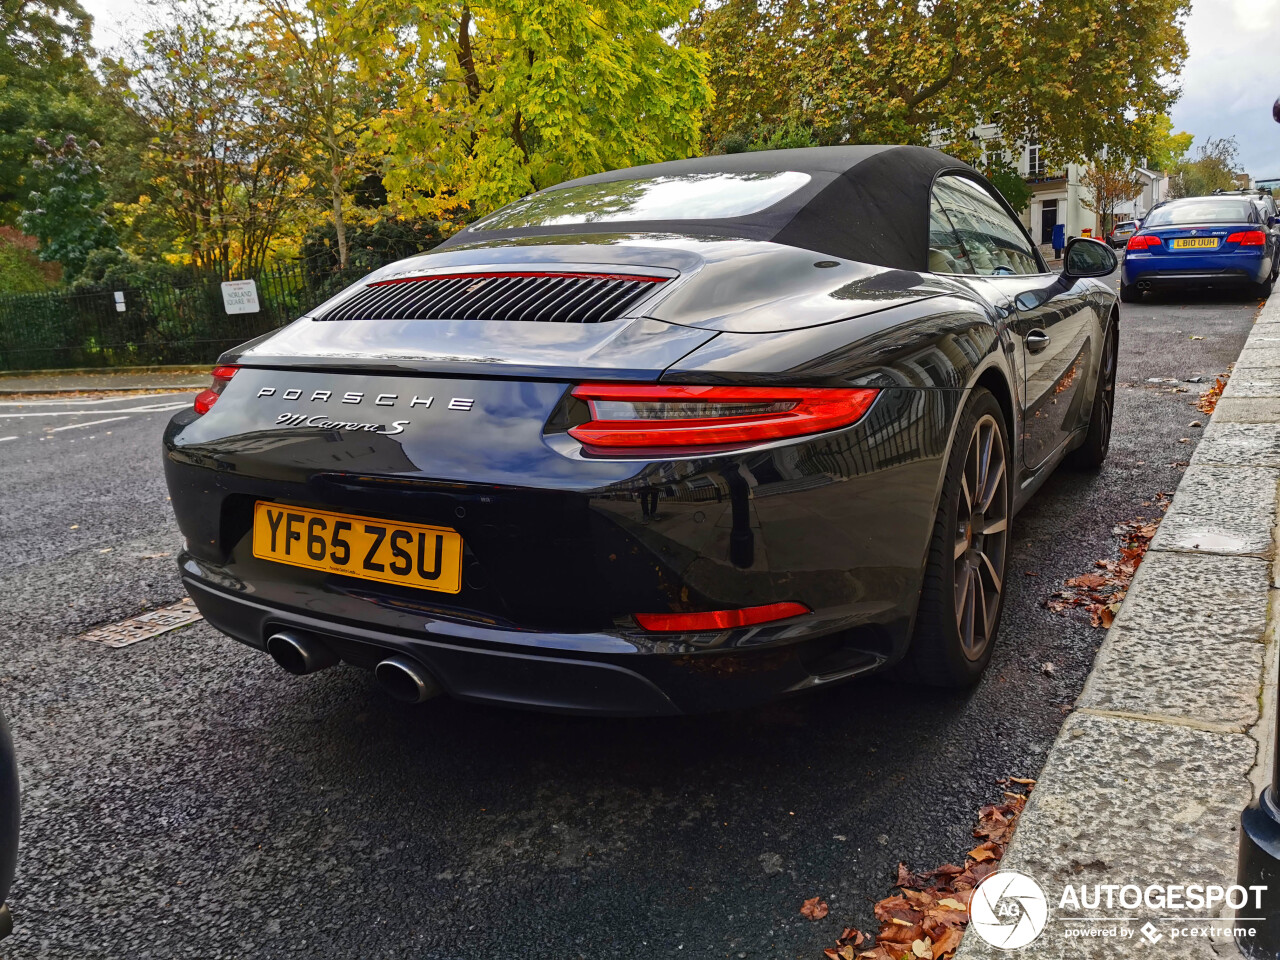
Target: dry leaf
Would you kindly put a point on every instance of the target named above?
(815, 908)
(982, 853)
(923, 948)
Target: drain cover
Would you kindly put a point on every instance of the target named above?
(146, 625)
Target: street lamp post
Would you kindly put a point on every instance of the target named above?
(1260, 843)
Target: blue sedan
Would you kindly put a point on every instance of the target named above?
(1201, 242)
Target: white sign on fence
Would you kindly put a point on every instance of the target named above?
(240, 296)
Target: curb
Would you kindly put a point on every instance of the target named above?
(1145, 782)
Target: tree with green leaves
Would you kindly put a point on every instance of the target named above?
(1004, 177)
(509, 96)
(1085, 75)
(330, 74)
(1211, 168)
(67, 216)
(46, 88)
(1167, 147)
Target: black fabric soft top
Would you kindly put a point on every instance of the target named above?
(864, 203)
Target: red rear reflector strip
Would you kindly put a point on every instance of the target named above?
(1249, 238)
(644, 417)
(720, 619)
(1142, 242)
(205, 399)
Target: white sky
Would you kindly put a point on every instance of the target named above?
(1230, 80)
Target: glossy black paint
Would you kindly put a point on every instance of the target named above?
(558, 557)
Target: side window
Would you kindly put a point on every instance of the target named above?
(946, 255)
(992, 238)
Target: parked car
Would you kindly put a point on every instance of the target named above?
(669, 439)
(1215, 241)
(9, 820)
(1121, 232)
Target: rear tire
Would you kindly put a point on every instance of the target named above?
(1091, 454)
(1129, 293)
(963, 590)
(1261, 291)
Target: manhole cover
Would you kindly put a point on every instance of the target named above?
(146, 625)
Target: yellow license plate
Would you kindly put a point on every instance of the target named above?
(410, 554)
(1195, 243)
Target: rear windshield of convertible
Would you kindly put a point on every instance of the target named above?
(694, 196)
(1201, 211)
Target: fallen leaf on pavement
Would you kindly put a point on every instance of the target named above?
(815, 908)
(988, 851)
(1208, 401)
(1100, 593)
(926, 919)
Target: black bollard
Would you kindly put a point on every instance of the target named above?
(1260, 862)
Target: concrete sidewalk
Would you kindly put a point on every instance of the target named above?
(1167, 743)
(104, 380)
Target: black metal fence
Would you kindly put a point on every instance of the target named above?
(183, 322)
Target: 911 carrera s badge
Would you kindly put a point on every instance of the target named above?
(321, 422)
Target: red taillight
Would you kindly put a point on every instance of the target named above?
(205, 399)
(719, 619)
(1248, 238)
(650, 417)
(1142, 241)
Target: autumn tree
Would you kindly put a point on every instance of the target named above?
(330, 75)
(1110, 183)
(1088, 75)
(510, 96)
(1167, 147)
(1211, 168)
(222, 171)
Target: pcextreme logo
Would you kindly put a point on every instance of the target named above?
(1009, 910)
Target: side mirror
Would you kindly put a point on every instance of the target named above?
(1088, 258)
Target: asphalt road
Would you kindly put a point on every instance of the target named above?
(186, 798)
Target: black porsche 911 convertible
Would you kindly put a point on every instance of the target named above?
(675, 438)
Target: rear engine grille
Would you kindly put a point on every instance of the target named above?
(554, 297)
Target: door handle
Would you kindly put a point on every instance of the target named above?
(1036, 340)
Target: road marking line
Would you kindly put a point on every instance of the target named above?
(91, 423)
(154, 408)
(96, 401)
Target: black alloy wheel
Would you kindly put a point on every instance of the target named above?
(963, 590)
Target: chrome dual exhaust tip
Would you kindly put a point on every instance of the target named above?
(406, 680)
(300, 655)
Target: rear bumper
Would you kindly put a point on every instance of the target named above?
(562, 551)
(1174, 271)
(605, 674)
